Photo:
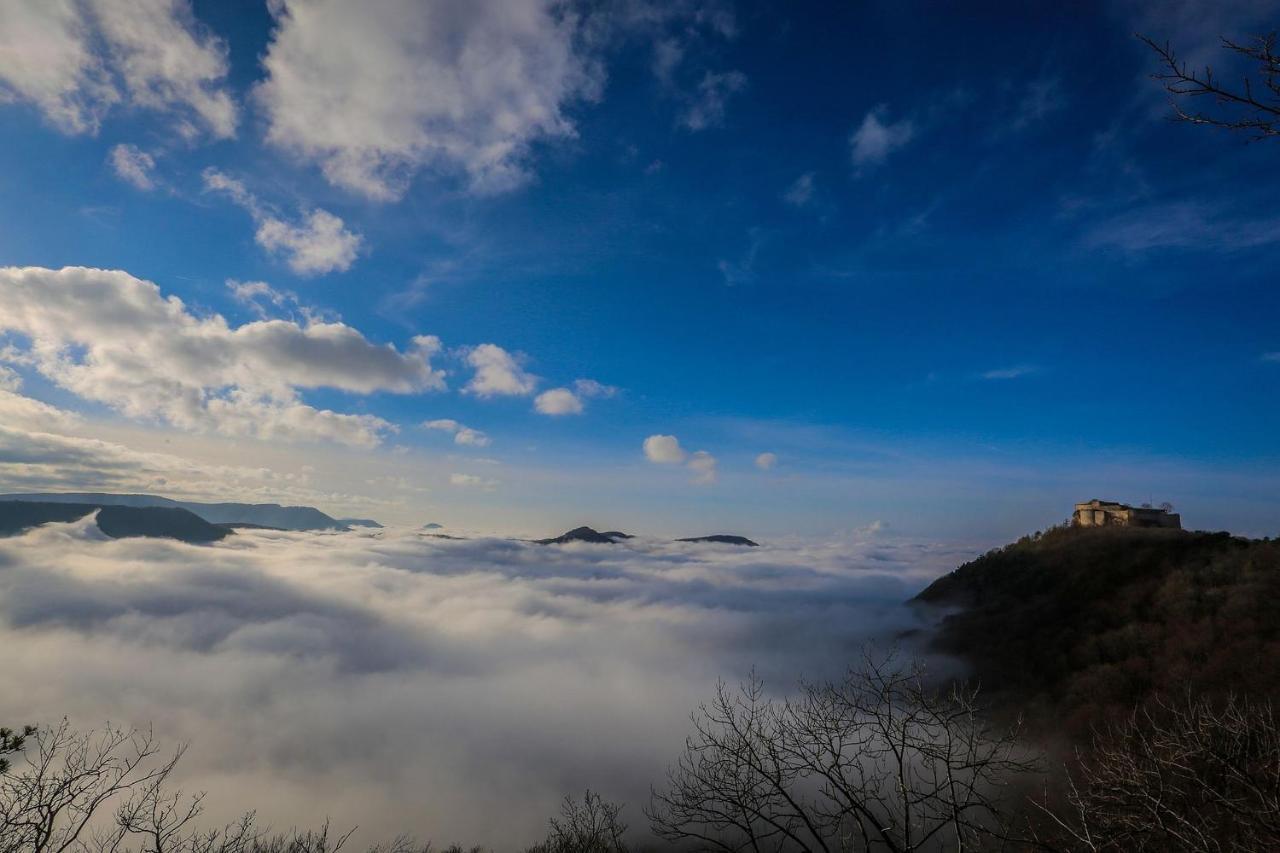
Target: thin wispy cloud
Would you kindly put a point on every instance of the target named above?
(711, 99)
(1182, 225)
(1017, 371)
(133, 166)
(801, 190)
(877, 137)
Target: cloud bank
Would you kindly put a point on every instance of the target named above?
(448, 681)
(111, 338)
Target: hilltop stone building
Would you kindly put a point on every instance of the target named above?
(1098, 513)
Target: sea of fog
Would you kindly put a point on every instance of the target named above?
(452, 690)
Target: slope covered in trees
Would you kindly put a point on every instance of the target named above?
(1078, 626)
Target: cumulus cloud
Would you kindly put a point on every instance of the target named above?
(76, 61)
(133, 165)
(464, 435)
(318, 243)
(663, 449)
(558, 401)
(711, 99)
(766, 461)
(444, 656)
(498, 373)
(109, 337)
(666, 450)
(876, 138)
(374, 92)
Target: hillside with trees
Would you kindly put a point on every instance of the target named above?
(1078, 626)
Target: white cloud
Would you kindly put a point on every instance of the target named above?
(874, 140)
(375, 91)
(666, 450)
(712, 98)
(255, 649)
(464, 435)
(592, 388)
(663, 449)
(558, 401)
(800, 192)
(766, 461)
(115, 339)
(133, 165)
(703, 465)
(320, 243)
(498, 373)
(1271, 356)
(471, 481)
(21, 412)
(1017, 371)
(255, 293)
(76, 61)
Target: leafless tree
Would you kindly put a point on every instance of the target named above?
(878, 761)
(106, 792)
(1185, 777)
(1252, 107)
(67, 779)
(591, 826)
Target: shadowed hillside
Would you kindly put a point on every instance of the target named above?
(118, 522)
(1083, 624)
(261, 515)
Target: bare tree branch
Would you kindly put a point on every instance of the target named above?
(1245, 108)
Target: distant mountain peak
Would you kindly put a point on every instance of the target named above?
(722, 538)
(585, 534)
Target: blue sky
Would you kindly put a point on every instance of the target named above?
(953, 269)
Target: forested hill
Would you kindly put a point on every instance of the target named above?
(1077, 625)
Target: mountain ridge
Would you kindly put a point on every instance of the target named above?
(264, 515)
(117, 522)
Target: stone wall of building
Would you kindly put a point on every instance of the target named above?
(1098, 513)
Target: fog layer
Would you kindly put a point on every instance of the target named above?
(455, 690)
